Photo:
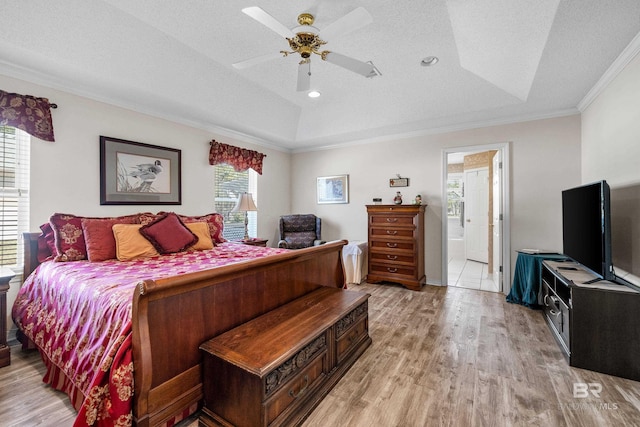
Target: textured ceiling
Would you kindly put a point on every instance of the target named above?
(500, 61)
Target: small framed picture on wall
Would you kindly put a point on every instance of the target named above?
(333, 189)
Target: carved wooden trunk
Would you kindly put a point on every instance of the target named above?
(276, 368)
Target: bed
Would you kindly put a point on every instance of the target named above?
(121, 338)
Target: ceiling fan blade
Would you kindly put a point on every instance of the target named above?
(359, 67)
(304, 77)
(352, 21)
(268, 21)
(257, 60)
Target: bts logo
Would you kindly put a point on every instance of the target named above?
(582, 390)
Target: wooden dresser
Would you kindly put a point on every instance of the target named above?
(396, 245)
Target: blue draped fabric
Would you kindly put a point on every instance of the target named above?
(527, 280)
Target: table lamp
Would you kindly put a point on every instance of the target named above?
(245, 204)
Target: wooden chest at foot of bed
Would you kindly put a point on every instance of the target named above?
(275, 369)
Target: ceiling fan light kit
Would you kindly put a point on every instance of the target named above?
(306, 40)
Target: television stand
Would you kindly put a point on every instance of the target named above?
(594, 322)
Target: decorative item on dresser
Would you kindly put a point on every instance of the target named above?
(396, 245)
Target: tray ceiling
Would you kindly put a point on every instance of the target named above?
(499, 61)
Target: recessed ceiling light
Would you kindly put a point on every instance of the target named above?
(313, 94)
(429, 61)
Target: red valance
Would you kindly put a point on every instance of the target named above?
(27, 113)
(240, 158)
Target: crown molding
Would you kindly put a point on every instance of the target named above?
(627, 55)
(446, 129)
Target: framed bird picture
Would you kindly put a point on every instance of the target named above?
(133, 173)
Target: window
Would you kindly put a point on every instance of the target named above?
(14, 193)
(227, 186)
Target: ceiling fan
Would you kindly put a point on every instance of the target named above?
(307, 40)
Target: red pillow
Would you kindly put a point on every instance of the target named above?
(46, 243)
(98, 236)
(168, 234)
(215, 221)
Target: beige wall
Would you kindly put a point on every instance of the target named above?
(541, 167)
(610, 150)
(611, 131)
(65, 175)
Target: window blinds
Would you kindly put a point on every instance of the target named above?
(14, 194)
(228, 184)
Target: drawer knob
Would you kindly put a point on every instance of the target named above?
(392, 219)
(392, 232)
(302, 389)
(392, 270)
(392, 245)
(392, 257)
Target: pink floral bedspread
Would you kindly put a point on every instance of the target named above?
(79, 315)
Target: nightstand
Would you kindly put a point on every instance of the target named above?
(6, 274)
(254, 242)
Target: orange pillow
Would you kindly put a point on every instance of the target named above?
(130, 243)
(201, 230)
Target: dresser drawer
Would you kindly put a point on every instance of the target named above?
(298, 387)
(351, 330)
(393, 256)
(390, 232)
(392, 220)
(386, 244)
(387, 269)
(351, 339)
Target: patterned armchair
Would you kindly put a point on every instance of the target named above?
(299, 231)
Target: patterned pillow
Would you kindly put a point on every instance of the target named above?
(168, 234)
(98, 236)
(145, 218)
(130, 244)
(69, 236)
(214, 220)
(69, 239)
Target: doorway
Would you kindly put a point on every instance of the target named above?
(475, 237)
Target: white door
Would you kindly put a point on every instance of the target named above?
(476, 211)
(497, 223)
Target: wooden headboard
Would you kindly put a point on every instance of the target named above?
(30, 247)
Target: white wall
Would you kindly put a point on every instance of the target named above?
(545, 159)
(65, 175)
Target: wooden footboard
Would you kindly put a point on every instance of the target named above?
(173, 316)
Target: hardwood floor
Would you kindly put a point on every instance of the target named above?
(443, 356)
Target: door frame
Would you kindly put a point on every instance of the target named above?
(505, 201)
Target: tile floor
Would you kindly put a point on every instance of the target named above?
(468, 274)
(471, 275)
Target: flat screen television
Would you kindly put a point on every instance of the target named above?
(586, 227)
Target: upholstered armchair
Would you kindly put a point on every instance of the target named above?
(299, 231)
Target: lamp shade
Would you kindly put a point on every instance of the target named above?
(244, 203)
